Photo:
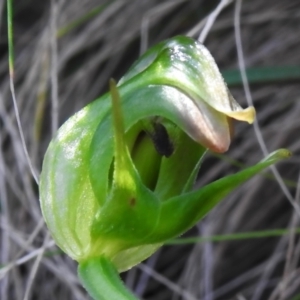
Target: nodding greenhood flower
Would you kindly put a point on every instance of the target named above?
(117, 178)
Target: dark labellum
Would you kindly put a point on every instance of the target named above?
(161, 140)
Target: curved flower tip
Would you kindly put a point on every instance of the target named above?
(247, 114)
(207, 111)
(237, 112)
(212, 127)
(220, 129)
(213, 90)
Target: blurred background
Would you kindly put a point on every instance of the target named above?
(65, 53)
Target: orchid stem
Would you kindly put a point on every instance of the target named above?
(102, 281)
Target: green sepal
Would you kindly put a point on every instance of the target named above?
(175, 171)
(180, 213)
(193, 176)
(67, 201)
(130, 211)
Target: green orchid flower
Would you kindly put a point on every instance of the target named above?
(117, 180)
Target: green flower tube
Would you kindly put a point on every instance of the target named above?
(117, 178)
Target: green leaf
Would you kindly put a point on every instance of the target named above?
(263, 75)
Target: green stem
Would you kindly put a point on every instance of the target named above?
(233, 237)
(10, 36)
(81, 20)
(102, 281)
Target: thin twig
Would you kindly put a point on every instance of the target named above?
(54, 68)
(257, 130)
(12, 87)
(169, 284)
(246, 86)
(163, 7)
(5, 219)
(212, 18)
(35, 267)
(282, 286)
